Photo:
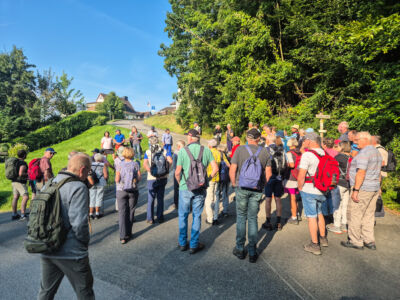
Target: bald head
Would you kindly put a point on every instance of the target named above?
(79, 164)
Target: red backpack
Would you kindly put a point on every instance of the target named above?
(295, 170)
(327, 174)
(34, 172)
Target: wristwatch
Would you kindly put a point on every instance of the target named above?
(355, 190)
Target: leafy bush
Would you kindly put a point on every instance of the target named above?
(100, 120)
(13, 151)
(4, 147)
(60, 131)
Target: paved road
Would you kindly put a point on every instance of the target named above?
(151, 267)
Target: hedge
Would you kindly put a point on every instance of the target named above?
(60, 131)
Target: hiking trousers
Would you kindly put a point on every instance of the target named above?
(78, 272)
(361, 218)
(212, 201)
(340, 214)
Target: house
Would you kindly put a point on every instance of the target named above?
(129, 111)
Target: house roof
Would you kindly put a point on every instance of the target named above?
(173, 103)
(127, 105)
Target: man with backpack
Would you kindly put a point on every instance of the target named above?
(312, 197)
(17, 171)
(365, 176)
(70, 258)
(45, 168)
(191, 173)
(250, 170)
(274, 186)
(157, 162)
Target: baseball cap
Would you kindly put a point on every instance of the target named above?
(51, 150)
(253, 133)
(337, 141)
(95, 150)
(312, 136)
(192, 133)
(296, 126)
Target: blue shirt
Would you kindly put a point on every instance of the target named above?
(119, 138)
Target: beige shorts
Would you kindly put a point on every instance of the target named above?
(19, 188)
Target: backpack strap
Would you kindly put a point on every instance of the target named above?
(251, 153)
(310, 179)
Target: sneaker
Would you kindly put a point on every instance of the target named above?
(370, 246)
(323, 241)
(267, 226)
(313, 248)
(253, 258)
(334, 229)
(239, 254)
(293, 221)
(215, 222)
(91, 216)
(16, 217)
(24, 217)
(183, 248)
(278, 226)
(343, 227)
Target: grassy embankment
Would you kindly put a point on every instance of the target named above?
(85, 142)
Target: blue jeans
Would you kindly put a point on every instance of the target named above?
(312, 204)
(247, 207)
(223, 193)
(138, 153)
(332, 202)
(156, 189)
(168, 149)
(197, 200)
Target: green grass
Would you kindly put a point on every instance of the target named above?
(169, 121)
(85, 142)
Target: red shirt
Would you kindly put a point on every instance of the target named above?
(234, 149)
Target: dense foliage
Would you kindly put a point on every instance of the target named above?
(59, 131)
(29, 101)
(113, 107)
(283, 61)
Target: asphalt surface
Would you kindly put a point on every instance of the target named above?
(150, 266)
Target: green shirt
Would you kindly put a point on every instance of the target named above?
(184, 161)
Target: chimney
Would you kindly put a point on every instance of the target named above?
(125, 98)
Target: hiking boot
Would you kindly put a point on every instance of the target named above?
(253, 258)
(343, 227)
(267, 225)
(91, 216)
(313, 248)
(370, 246)
(323, 241)
(199, 247)
(16, 217)
(334, 229)
(209, 223)
(239, 254)
(183, 248)
(349, 244)
(293, 221)
(225, 215)
(24, 217)
(278, 226)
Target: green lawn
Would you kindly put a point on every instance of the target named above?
(85, 142)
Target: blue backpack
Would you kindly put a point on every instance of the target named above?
(251, 171)
(223, 171)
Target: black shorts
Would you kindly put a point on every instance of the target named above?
(274, 187)
(108, 151)
(32, 184)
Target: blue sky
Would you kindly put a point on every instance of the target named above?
(105, 45)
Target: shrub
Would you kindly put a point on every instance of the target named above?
(60, 131)
(100, 120)
(13, 151)
(4, 148)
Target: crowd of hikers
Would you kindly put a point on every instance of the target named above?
(336, 182)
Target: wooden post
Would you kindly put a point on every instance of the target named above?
(321, 118)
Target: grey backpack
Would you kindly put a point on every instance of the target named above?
(197, 177)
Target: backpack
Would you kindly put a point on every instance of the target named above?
(391, 161)
(93, 174)
(11, 167)
(278, 161)
(251, 171)
(327, 174)
(34, 172)
(159, 164)
(197, 177)
(46, 229)
(295, 170)
(129, 176)
(223, 170)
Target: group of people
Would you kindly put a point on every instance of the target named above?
(269, 164)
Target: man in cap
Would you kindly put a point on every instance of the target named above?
(194, 198)
(312, 197)
(119, 139)
(248, 199)
(295, 133)
(45, 167)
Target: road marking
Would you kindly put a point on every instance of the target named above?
(288, 283)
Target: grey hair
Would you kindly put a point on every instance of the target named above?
(98, 157)
(213, 143)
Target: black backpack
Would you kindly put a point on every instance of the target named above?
(93, 174)
(46, 229)
(11, 168)
(197, 177)
(223, 170)
(159, 164)
(278, 161)
(391, 162)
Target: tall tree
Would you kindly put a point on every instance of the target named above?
(112, 106)
(67, 98)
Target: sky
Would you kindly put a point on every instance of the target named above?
(104, 45)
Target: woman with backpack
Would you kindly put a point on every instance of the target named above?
(340, 203)
(98, 180)
(127, 178)
(293, 159)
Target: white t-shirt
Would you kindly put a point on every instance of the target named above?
(309, 161)
(107, 142)
(290, 184)
(151, 133)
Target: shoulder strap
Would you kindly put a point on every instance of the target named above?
(189, 153)
(249, 150)
(258, 151)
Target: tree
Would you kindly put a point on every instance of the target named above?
(67, 100)
(46, 92)
(112, 106)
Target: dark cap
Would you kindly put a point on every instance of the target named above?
(253, 134)
(51, 150)
(192, 133)
(96, 150)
